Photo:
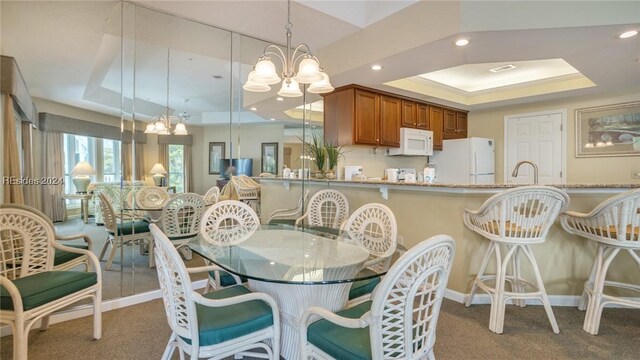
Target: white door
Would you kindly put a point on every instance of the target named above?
(540, 138)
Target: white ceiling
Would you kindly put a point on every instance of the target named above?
(71, 55)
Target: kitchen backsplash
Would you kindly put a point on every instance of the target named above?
(374, 164)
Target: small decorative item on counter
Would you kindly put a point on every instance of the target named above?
(286, 172)
(429, 175)
(409, 178)
(334, 153)
(315, 151)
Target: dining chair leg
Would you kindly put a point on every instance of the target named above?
(44, 323)
(97, 314)
(517, 285)
(480, 274)
(171, 347)
(500, 297)
(104, 248)
(594, 308)
(430, 355)
(20, 340)
(544, 297)
(112, 255)
(496, 293)
(584, 299)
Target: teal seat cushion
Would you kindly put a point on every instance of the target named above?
(324, 229)
(227, 279)
(62, 256)
(290, 222)
(341, 342)
(220, 324)
(363, 287)
(39, 289)
(133, 227)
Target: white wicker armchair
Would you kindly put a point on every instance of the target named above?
(181, 220)
(327, 209)
(615, 226)
(400, 321)
(231, 321)
(31, 290)
(289, 215)
(212, 195)
(247, 192)
(514, 219)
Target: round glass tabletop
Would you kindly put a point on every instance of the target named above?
(285, 255)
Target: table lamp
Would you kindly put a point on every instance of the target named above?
(81, 176)
(158, 173)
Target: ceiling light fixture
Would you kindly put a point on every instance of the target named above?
(502, 68)
(254, 109)
(462, 42)
(376, 67)
(628, 34)
(309, 70)
(272, 119)
(161, 124)
(280, 98)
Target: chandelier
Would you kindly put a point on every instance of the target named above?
(161, 124)
(309, 70)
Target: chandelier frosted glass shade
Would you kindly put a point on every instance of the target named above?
(150, 129)
(308, 71)
(322, 86)
(180, 129)
(265, 72)
(254, 86)
(290, 88)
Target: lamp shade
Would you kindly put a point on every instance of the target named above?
(83, 168)
(180, 129)
(158, 169)
(322, 86)
(308, 71)
(150, 129)
(254, 86)
(290, 88)
(265, 72)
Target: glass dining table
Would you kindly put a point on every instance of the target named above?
(298, 268)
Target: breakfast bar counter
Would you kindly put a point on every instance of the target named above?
(425, 210)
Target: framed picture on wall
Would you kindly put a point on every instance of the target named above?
(216, 152)
(612, 130)
(270, 158)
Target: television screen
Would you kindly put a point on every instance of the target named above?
(229, 167)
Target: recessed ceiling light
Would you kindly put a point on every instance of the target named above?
(628, 34)
(280, 98)
(462, 42)
(376, 67)
(272, 119)
(502, 68)
(254, 109)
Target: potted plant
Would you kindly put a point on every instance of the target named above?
(316, 152)
(334, 152)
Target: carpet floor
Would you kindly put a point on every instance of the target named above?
(141, 332)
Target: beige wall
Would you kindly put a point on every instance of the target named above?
(490, 123)
(247, 144)
(564, 260)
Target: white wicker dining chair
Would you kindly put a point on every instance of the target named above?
(374, 228)
(152, 197)
(120, 233)
(515, 219)
(327, 209)
(227, 222)
(615, 226)
(212, 195)
(231, 321)
(400, 320)
(289, 216)
(247, 193)
(180, 220)
(31, 289)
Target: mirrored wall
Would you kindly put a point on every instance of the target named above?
(100, 72)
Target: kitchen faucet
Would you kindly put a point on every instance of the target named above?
(535, 170)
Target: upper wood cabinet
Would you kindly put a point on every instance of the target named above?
(422, 117)
(390, 115)
(356, 115)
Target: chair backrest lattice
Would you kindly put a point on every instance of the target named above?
(25, 243)
(152, 197)
(212, 195)
(181, 215)
(243, 190)
(615, 221)
(373, 227)
(328, 208)
(175, 286)
(228, 222)
(406, 304)
(521, 214)
(108, 214)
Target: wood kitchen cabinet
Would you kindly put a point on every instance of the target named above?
(357, 115)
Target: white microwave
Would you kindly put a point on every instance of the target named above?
(414, 142)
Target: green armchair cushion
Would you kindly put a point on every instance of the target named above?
(227, 279)
(45, 287)
(62, 256)
(131, 227)
(220, 324)
(290, 222)
(363, 287)
(341, 342)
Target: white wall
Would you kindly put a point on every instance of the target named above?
(374, 163)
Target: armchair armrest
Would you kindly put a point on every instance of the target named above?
(199, 269)
(330, 316)
(93, 259)
(301, 218)
(14, 293)
(86, 238)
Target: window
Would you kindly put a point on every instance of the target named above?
(176, 167)
(110, 160)
(77, 148)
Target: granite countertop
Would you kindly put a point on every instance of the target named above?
(463, 186)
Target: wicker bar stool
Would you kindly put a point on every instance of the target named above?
(513, 220)
(615, 226)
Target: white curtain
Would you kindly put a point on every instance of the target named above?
(52, 203)
(11, 168)
(31, 193)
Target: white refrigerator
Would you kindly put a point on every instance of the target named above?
(466, 161)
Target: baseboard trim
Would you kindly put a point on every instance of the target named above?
(87, 310)
(555, 300)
